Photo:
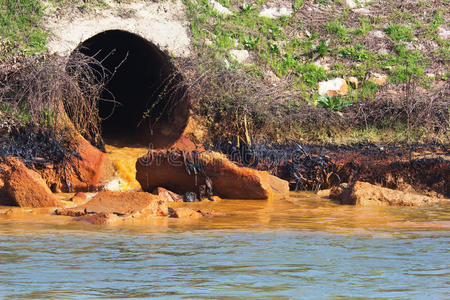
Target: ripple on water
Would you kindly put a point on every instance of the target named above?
(291, 249)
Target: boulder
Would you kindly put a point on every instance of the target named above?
(353, 82)
(184, 213)
(333, 87)
(79, 198)
(274, 12)
(100, 219)
(444, 33)
(167, 195)
(169, 170)
(351, 4)
(92, 168)
(219, 8)
(378, 79)
(89, 171)
(241, 56)
(24, 187)
(366, 194)
(122, 204)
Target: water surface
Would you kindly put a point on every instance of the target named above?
(304, 248)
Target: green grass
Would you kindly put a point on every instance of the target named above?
(19, 24)
(399, 32)
(294, 48)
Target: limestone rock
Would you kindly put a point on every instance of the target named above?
(378, 79)
(333, 87)
(351, 4)
(26, 188)
(122, 204)
(162, 169)
(241, 56)
(167, 195)
(366, 194)
(184, 213)
(275, 12)
(364, 11)
(101, 219)
(353, 82)
(79, 198)
(444, 33)
(220, 8)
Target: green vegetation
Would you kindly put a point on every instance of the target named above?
(335, 103)
(289, 56)
(399, 32)
(19, 24)
(303, 50)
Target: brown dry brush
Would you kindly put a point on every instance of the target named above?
(234, 103)
(37, 93)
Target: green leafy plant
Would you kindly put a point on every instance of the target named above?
(274, 49)
(335, 103)
(322, 49)
(399, 32)
(246, 7)
(251, 43)
(311, 74)
(357, 53)
(337, 28)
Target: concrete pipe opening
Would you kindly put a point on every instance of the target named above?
(143, 100)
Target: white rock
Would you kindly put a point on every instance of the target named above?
(275, 12)
(115, 184)
(220, 8)
(378, 34)
(362, 11)
(271, 78)
(241, 56)
(378, 79)
(333, 87)
(444, 34)
(354, 82)
(350, 3)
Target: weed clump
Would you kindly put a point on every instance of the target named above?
(44, 100)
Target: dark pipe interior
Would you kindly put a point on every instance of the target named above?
(142, 82)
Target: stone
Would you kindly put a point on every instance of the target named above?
(378, 34)
(220, 8)
(167, 195)
(122, 204)
(25, 188)
(271, 78)
(275, 12)
(229, 181)
(378, 79)
(333, 87)
(366, 194)
(241, 56)
(444, 33)
(90, 170)
(353, 82)
(100, 219)
(364, 11)
(93, 167)
(351, 4)
(324, 193)
(184, 213)
(79, 198)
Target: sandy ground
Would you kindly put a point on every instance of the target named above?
(163, 23)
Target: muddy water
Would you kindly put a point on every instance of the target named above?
(124, 163)
(304, 247)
